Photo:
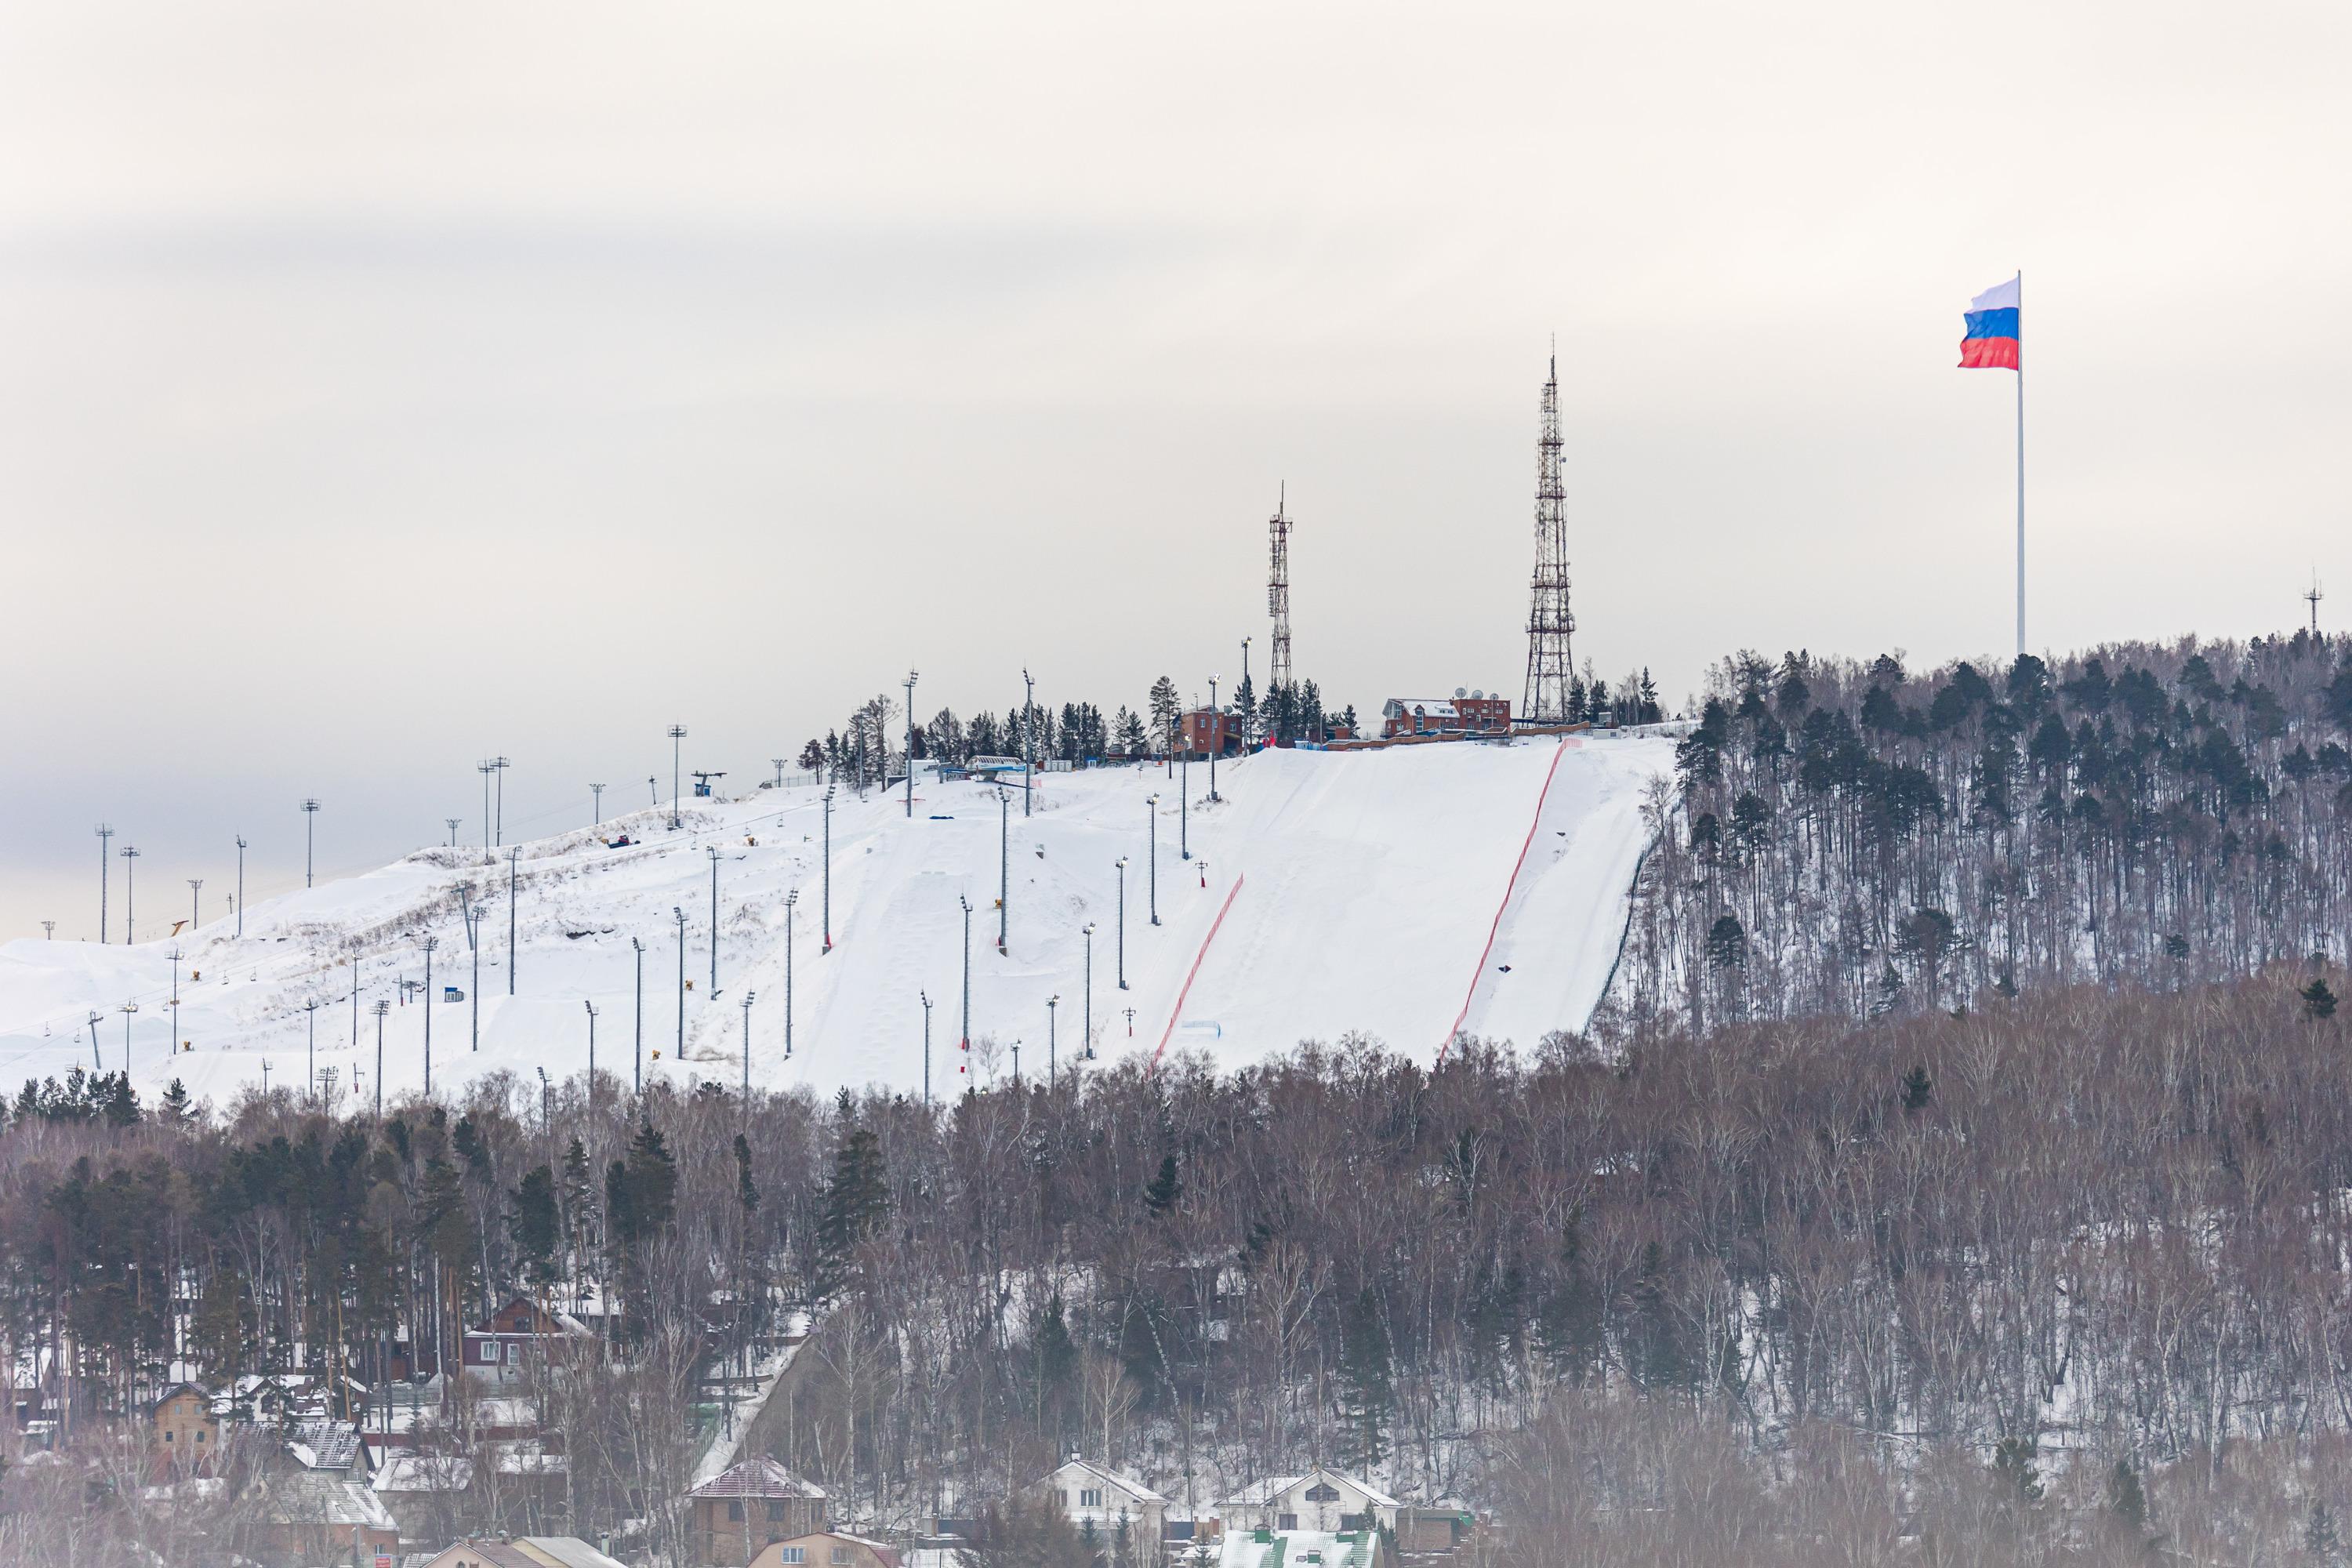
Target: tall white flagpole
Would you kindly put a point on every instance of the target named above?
(2021, 463)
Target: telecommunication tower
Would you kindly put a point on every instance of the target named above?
(1549, 620)
(1278, 590)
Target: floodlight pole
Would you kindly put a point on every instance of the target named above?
(130, 864)
(748, 995)
(173, 1044)
(379, 1009)
(1152, 820)
(637, 1072)
(677, 734)
(240, 884)
(925, 996)
(128, 1008)
(1215, 737)
(1184, 808)
(1122, 923)
(310, 824)
(1003, 864)
(790, 899)
(1087, 1021)
(910, 745)
(597, 792)
(309, 1006)
(474, 944)
(592, 1049)
(680, 915)
(964, 1042)
(498, 815)
(430, 943)
(1028, 739)
(829, 868)
(105, 832)
(512, 876)
(451, 822)
(486, 767)
(1053, 1004)
(195, 903)
(714, 917)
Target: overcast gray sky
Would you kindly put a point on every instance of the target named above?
(388, 385)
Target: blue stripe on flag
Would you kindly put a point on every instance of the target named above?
(1992, 323)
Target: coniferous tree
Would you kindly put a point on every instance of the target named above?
(856, 1202)
(533, 1227)
(176, 1107)
(1366, 1391)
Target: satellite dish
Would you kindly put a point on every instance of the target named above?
(1477, 696)
(1460, 692)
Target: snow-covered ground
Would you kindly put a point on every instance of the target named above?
(1326, 892)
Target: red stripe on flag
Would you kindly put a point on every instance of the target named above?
(1988, 353)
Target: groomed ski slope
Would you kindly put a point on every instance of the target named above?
(1346, 892)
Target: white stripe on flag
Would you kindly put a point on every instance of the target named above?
(1999, 297)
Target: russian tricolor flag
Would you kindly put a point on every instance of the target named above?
(1990, 343)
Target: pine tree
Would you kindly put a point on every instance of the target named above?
(2012, 1464)
(2320, 1536)
(2319, 1000)
(1917, 1089)
(746, 1192)
(177, 1106)
(1366, 1393)
(1159, 1196)
(1165, 706)
(856, 1203)
(2126, 1501)
(533, 1228)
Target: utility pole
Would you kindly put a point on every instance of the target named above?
(677, 734)
(680, 914)
(1088, 1019)
(714, 917)
(1122, 923)
(240, 888)
(105, 832)
(1028, 737)
(910, 746)
(430, 943)
(597, 791)
(511, 878)
(195, 903)
(790, 899)
(1003, 864)
(130, 860)
(829, 868)
(310, 823)
(925, 996)
(748, 995)
(451, 823)
(379, 1009)
(486, 767)
(1152, 820)
(49, 931)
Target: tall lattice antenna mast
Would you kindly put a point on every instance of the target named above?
(1278, 590)
(1549, 620)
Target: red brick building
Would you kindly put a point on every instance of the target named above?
(1204, 731)
(1463, 713)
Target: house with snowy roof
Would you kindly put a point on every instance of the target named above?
(829, 1549)
(1092, 1495)
(522, 1334)
(1302, 1549)
(522, 1551)
(1321, 1499)
(750, 1506)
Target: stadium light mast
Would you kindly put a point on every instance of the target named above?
(713, 849)
(130, 863)
(748, 995)
(309, 825)
(1087, 1021)
(1003, 864)
(127, 1009)
(195, 903)
(596, 792)
(240, 884)
(1122, 923)
(105, 832)
(1053, 1005)
(964, 1042)
(498, 813)
(592, 1048)
(486, 767)
(511, 880)
(171, 1045)
(1216, 737)
(910, 747)
(451, 824)
(309, 1006)
(677, 734)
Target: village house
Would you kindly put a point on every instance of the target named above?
(1321, 1499)
(522, 1551)
(754, 1504)
(426, 1494)
(1302, 1549)
(1089, 1494)
(186, 1429)
(828, 1549)
(1463, 713)
(521, 1335)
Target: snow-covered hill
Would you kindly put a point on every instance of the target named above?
(1326, 892)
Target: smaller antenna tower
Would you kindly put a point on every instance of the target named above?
(1278, 590)
(2314, 595)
